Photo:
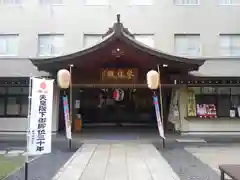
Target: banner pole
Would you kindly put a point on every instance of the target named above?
(28, 130)
(161, 102)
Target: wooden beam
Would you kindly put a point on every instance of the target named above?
(117, 85)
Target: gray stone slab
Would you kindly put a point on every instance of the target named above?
(117, 163)
(96, 167)
(157, 165)
(77, 164)
(123, 161)
(137, 168)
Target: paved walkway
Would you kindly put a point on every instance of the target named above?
(124, 161)
(213, 156)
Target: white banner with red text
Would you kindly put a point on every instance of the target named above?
(40, 121)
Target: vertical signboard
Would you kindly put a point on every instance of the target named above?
(40, 121)
(158, 115)
(66, 117)
(191, 105)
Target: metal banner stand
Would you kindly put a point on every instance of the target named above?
(161, 103)
(28, 128)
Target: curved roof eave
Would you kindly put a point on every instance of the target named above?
(119, 32)
(111, 37)
(161, 54)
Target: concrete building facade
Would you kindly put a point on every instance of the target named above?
(199, 29)
(163, 19)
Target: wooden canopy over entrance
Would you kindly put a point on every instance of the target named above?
(118, 53)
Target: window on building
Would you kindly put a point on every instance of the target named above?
(51, 2)
(141, 2)
(187, 45)
(8, 45)
(209, 102)
(147, 39)
(50, 44)
(96, 2)
(2, 104)
(229, 2)
(186, 2)
(11, 2)
(13, 101)
(90, 40)
(230, 45)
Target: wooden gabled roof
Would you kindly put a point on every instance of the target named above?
(115, 34)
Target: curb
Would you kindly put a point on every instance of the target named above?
(10, 153)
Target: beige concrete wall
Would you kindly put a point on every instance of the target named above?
(163, 19)
(19, 125)
(201, 126)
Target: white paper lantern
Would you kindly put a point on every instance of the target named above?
(153, 79)
(63, 78)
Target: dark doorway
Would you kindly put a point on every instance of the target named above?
(99, 107)
(136, 108)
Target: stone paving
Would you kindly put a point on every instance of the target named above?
(138, 161)
(108, 157)
(187, 166)
(125, 161)
(201, 161)
(213, 157)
